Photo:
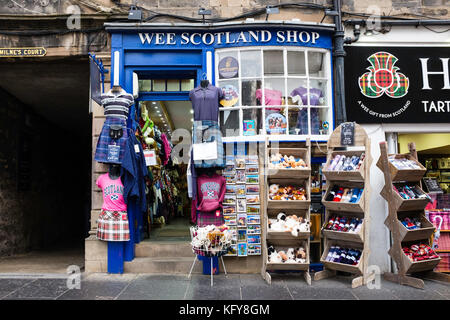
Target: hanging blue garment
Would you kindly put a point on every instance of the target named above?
(133, 172)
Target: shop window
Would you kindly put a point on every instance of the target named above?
(275, 91)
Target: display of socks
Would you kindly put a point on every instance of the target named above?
(420, 252)
(411, 224)
(409, 192)
(344, 224)
(345, 195)
(404, 163)
(346, 163)
(343, 255)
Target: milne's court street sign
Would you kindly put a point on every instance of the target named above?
(22, 52)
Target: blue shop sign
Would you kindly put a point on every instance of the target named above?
(222, 39)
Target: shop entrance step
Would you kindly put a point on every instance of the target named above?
(163, 249)
(167, 265)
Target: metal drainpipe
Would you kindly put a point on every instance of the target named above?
(339, 54)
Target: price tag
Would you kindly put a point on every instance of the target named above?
(113, 153)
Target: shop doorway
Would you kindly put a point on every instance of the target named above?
(170, 207)
(45, 171)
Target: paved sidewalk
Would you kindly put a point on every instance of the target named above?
(98, 286)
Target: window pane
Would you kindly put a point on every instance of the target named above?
(173, 85)
(159, 85)
(296, 63)
(316, 64)
(318, 92)
(298, 120)
(252, 124)
(249, 88)
(274, 92)
(229, 123)
(273, 62)
(145, 85)
(319, 121)
(297, 91)
(187, 84)
(251, 63)
(230, 89)
(228, 65)
(275, 121)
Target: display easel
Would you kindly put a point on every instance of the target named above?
(400, 235)
(358, 178)
(299, 177)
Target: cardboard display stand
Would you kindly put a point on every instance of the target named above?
(353, 140)
(285, 177)
(399, 207)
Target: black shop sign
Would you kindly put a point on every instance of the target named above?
(397, 84)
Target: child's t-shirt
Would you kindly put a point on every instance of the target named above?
(112, 193)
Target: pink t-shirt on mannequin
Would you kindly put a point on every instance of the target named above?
(271, 98)
(112, 193)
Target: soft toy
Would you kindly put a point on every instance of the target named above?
(273, 189)
(300, 255)
(283, 255)
(147, 129)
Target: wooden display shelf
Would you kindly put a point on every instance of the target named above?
(345, 206)
(399, 233)
(345, 236)
(290, 204)
(357, 175)
(425, 232)
(406, 174)
(286, 177)
(339, 235)
(272, 235)
(355, 269)
(289, 173)
(284, 245)
(419, 266)
(408, 204)
(348, 179)
(303, 173)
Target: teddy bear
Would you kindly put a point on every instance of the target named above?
(273, 188)
(300, 255)
(283, 256)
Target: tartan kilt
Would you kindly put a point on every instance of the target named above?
(101, 152)
(113, 226)
(208, 218)
(208, 131)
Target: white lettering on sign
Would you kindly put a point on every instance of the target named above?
(436, 106)
(426, 73)
(208, 38)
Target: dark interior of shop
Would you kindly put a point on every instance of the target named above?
(169, 116)
(45, 167)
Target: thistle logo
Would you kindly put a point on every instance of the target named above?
(383, 77)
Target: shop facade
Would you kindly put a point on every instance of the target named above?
(411, 105)
(261, 65)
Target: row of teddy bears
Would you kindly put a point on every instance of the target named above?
(278, 161)
(286, 193)
(291, 223)
(291, 255)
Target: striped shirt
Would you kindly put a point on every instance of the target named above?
(117, 105)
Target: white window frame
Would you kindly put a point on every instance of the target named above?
(285, 137)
